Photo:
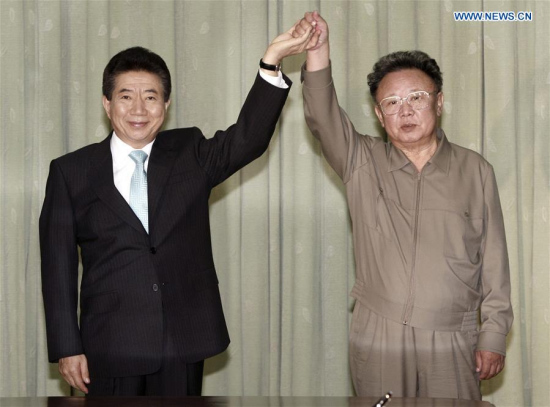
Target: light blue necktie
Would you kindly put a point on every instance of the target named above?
(138, 188)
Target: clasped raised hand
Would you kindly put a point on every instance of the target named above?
(291, 42)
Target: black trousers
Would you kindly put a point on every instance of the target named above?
(173, 379)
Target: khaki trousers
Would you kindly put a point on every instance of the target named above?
(411, 362)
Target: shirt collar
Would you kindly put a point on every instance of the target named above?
(396, 158)
(120, 150)
(441, 158)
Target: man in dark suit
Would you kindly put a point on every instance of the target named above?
(137, 206)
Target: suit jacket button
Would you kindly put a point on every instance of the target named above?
(155, 287)
(153, 250)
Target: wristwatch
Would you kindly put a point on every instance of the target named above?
(269, 67)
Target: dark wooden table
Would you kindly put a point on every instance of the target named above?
(231, 402)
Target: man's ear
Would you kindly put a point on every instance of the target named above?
(166, 104)
(440, 100)
(107, 106)
(379, 114)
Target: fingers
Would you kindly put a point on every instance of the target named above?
(84, 373)
(479, 361)
(292, 30)
(314, 40)
(317, 17)
(303, 36)
(302, 26)
(312, 19)
(321, 29)
(489, 371)
(301, 43)
(74, 370)
(488, 364)
(484, 374)
(494, 368)
(80, 385)
(482, 365)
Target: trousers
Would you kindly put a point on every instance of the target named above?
(389, 356)
(174, 378)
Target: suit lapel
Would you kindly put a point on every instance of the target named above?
(159, 169)
(104, 185)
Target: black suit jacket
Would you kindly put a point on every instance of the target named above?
(132, 281)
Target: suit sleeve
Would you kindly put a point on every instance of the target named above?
(328, 122)
(59, 254)
(230, 150)
(496, 308)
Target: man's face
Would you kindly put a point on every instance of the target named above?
(137, 107)
(409, 128)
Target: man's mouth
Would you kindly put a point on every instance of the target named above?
(138, 124)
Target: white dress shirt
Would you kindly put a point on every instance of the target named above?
(275, 80)
(124, 166)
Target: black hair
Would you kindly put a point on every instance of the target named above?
(400, 60)
(136, 59)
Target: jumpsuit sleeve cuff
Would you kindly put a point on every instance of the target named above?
(316, 79)
(492, 341)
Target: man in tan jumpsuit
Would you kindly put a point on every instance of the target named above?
(428, 233)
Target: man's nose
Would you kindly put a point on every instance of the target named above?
(406, 109)
(138, 107)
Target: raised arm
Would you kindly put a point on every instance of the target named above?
(318, 56)
(291, 43)
(324, 117)
(231, 149)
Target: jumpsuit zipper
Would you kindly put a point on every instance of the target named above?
(410, 300)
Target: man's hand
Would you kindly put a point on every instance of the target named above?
(74, 370)
(321, 28)
(288, 44)
(318, 51)
(488, 364)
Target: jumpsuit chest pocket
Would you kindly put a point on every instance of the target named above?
(463, 235)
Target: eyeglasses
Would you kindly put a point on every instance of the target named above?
(417, 100)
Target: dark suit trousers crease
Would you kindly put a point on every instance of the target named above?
(174, 378)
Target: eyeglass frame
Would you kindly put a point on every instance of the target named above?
(407, 99)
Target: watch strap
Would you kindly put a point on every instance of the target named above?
(269, 67)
